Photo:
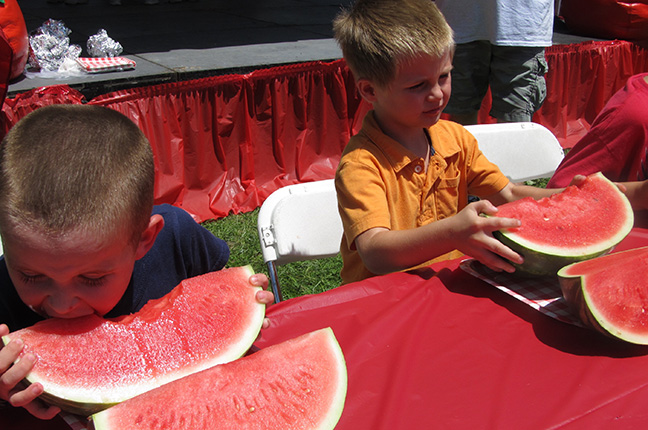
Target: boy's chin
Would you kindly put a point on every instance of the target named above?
(431, 121)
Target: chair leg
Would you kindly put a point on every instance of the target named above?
(274, 281)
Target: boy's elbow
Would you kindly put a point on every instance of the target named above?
(377, 267)
(376, 257)
(380, 261)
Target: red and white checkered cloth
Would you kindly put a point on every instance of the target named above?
(541, 293)
(74, 421)
(105, 64)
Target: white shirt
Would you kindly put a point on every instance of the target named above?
(502, 22)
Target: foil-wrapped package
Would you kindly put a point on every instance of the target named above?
(50, 46)
(101, 45)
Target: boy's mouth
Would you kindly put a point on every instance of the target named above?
(433, 111)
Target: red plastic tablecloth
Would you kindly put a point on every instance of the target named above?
(441, 349)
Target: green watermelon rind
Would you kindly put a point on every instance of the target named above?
(543, 260)
(85, 402)
(575, 292)
(102, 419)
(539, 263)
(333, 417)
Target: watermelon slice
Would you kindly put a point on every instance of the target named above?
(87, 364)
(610, 293)
(582, 222)
(298, 384)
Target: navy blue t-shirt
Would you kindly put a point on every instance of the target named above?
(182, 249)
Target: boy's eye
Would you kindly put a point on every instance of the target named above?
(30, 279)
(417, 86)
(93, 281)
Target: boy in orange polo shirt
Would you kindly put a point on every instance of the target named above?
(403, 181)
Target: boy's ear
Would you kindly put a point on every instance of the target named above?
(367, 90)
(156, 223)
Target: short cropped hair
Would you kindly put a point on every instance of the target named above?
(65, 167)
(376, 36)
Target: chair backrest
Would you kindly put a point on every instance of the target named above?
(522, 150)
(299, 222)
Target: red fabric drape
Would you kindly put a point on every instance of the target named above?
(6, 60)
(12, 24)
(223, 144)
(581, 79)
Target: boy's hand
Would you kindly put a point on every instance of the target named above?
(476, 236)
(577, 180)
(264, 296)
(11, 374)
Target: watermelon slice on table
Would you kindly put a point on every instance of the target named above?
(87, 364)
(298, 384)
(580, 223)
(610, 293)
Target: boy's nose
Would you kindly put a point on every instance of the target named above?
(435, 93)
(62, 304)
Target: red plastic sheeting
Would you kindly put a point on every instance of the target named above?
(442, 349)
(6, 60)
(223, 144)
(12, 24)
(608, 19)
(16, 108)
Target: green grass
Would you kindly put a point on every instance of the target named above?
(296, 279)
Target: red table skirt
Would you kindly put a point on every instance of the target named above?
(224, 144)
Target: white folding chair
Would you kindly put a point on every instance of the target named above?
(299, 222)
(522, 150)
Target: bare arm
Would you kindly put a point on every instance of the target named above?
(637, 193)
(512, 192)
(386, 251)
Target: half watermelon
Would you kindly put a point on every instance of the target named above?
(87, 364)
(580, 223)
(610, 293)
(298, 384)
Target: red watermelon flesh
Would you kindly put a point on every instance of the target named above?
(581, 222)
(86, 364)
(298, 384)
(610, 293)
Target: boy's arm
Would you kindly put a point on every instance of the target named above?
(385, 251)
(512, 192)
(11, 374)
(637, 193)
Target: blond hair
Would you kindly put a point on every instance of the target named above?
(376, 36)
(65, 167)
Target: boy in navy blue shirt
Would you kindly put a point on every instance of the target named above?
(80, 233)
